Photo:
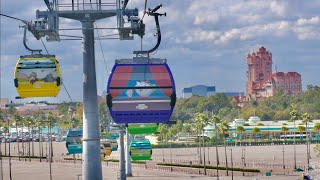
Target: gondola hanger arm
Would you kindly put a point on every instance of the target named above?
(33, 51)
(152, 12)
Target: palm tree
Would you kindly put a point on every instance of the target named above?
(284, 129)
(223, 129)
(5, 130)
(255, 131)
(22, 124)
(301, 129)
(316, 128)
(17, 122)
(187, 129)
(214, 120)
(294, 115)
(306, 118)
(52, 121)
(240, 129)
(38, 123)
(201, 121)
(29, 121)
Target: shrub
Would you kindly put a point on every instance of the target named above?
(209, 167)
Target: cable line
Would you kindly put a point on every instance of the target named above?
(67, 91)
(44, 46)
(63, 84)
(104, 59)
(13, 17)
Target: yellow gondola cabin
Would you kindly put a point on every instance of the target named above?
(37, 76)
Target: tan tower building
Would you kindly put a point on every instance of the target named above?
(262, 83)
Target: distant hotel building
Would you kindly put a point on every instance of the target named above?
(206, 91)
(199, 90)
(262, 83)
(4, 103)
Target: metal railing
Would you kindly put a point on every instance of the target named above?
(81, 5)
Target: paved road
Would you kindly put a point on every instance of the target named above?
(253, 154)
(63, 171)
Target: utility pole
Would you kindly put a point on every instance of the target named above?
(128, 158)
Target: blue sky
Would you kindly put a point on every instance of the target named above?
(205, 42)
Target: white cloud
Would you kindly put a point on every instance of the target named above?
(311, 21)
(279, 7)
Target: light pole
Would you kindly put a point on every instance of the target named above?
(217, 155)
(204, 154)
(10, 173)
(243, 157)
(29, 141)
(283, 155)
(231, 164)
(162, 149)
(122, 163)
(128, 158)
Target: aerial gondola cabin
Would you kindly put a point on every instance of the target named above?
(142, 128)
(106, 148)
(141, 90)
(114, 132)
(140, 150)
(74, 141)
(37, 76)
(114, 145)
